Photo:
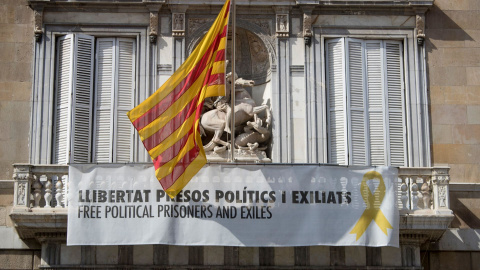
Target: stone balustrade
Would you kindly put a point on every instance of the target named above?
(40, 186)
(424, 190)
(420, 190)
(40, 202)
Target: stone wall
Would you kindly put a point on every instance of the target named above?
(453, 60)
(453, 51)
(16, 56)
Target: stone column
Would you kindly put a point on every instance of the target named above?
(281, 98)
(178, 32)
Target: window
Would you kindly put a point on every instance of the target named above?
(365, 102)
(95, 85)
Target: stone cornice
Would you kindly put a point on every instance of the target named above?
(42, 223)
(34, 223)
(413, 6)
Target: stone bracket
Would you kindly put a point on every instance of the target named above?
(420, 28)
(38, 21)
(307, 23)
(154, 8)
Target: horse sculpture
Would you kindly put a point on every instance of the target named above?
(217, 120)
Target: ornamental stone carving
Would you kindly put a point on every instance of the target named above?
(153, 27)
(420, 26)
(197, 23)
(282, 28)
(38, 22)
(178, 24)
(253, 131)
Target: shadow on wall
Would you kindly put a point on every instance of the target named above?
(442, 27)
(464, 217)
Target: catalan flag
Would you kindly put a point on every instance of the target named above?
(168, 120)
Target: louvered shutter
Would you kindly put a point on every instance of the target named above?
(63, 91)
(394, 104)
(356, 95)
(125, 85)
(82, 99)
(104, 99)
(336, 96)
(375, 90)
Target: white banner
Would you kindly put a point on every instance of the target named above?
(238, 205)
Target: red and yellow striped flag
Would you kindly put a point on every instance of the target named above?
(168, 121)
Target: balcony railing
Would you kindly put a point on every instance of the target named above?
(46, 186)
(40, 199)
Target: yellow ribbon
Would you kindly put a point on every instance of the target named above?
(373, 201)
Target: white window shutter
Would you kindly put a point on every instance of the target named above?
(125, 85)
(375, 89)
(63, 92)
(336, 96)
(104, 99)
(394, 103)
(356, 103)
(82, 99)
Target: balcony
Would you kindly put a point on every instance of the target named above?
(40, 204)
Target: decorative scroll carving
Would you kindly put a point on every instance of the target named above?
(420, 25)
(282, 21)
(178, 24)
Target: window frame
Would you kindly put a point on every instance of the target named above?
(43, 93)
(366, 111)
(415, 88)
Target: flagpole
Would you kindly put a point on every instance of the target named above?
(232, 88)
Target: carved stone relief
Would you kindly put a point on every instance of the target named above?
(21, 194)
(254, 48)
(259, 53)
(178, 24)
(251, 134)
(196, 24)
(282, 25)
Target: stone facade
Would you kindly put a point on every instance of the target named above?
(453, 56)
(442, 62)
(16, 77)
